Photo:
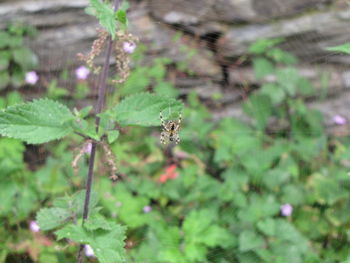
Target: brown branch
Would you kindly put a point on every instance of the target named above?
(99, 106)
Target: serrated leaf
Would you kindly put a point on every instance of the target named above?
(25, 57)
(262, 67)
(4, 60)
(345, 48)
(112, 135)
(262, 45)
(217, 236)
(143, 109)
(97, 221)
(4, 79)
(84, 112)
(50, 218)
(267, 226)
(275, 92)
(78, 200)
(104, 13)
(122, 18)
(74, 232)
(36, 122)
(108, 245)
(260, 107)
(249, 240)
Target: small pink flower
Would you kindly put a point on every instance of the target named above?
(89, 252)
(31, 77)
(82, 72)
(339, 120)
(286, 209)
(87, 148)
(147, 209)
(129, 47)
(34, 227)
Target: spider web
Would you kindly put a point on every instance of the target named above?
(56, 58)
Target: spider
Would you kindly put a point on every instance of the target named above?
(170, 130)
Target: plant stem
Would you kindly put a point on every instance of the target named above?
(99, 107)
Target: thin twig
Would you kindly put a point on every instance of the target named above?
(99, 106)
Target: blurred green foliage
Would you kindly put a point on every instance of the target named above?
(15, 57)
(223, 201)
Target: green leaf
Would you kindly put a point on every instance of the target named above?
(4, 79)
(4, 59)
(74, 232)
(199, 228)
(249, 240)
(262, 45)
(36, 122)
(97, 221)
(195, 252)
(105, 14)
(4, 39)
(25, 57)
(84, 112)
(112, 135)
(124, 5)
(275, 92)
(280, 56)
(267, 226)
(143, 109)
(289, 79)
(13, 98)
(78, 200)
(262, 67)
(259, 107)
(17, 78)
(50, 218)
(345, 48)
(108, 245)
(122, 18)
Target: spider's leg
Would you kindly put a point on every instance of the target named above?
(161, 119)
(177, 138)
(180, 119)
(163, 136)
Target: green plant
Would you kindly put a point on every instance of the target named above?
(273, 189)
(45, 120)
(15, 58)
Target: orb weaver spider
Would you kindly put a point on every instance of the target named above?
(170, 131)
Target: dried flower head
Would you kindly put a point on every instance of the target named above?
(124, 46)
(85, 149)
(96, 50)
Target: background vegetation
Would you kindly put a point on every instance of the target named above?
(271, 189)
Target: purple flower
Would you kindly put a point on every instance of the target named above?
(34, 227)
(31, 77)
(89, 252)
(129, 47)
(339, 120)
(87, 148)
(286, 209)
(82, 72)
(147, 209)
